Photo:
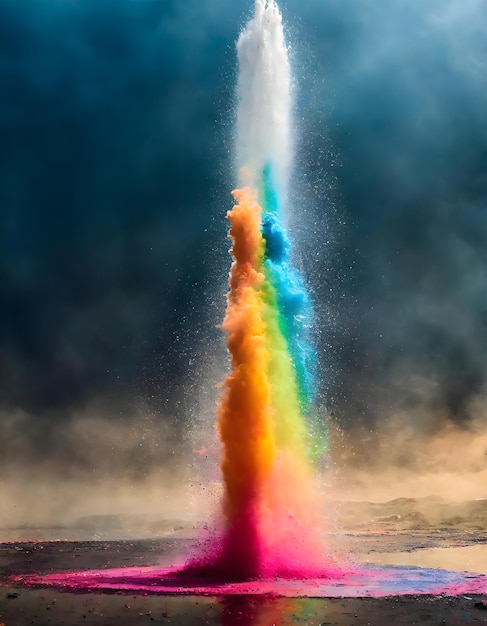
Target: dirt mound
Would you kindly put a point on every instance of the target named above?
(413, 514)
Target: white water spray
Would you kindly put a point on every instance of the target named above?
(264, 99)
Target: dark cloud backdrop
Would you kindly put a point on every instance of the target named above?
(115, 168)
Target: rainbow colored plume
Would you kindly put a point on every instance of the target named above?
(270, 491)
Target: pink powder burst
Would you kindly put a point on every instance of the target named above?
(373, 581)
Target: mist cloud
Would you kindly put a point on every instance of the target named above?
(407, 81)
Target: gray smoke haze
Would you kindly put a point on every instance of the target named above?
(116, 121)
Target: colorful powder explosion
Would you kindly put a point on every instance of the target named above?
(270, 496)
(272, 540)
(268, 500)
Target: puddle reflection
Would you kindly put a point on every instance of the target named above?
(257, 610)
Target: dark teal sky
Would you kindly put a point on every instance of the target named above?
(115, 172)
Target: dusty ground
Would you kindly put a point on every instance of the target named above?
(400, 536)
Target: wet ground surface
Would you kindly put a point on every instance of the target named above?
(50, 607)
(19, 605)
